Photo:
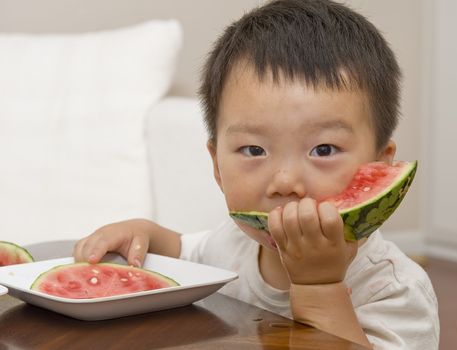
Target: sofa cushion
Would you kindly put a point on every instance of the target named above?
(187, 196)
(72, 113)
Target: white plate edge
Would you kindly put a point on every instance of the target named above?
(3, 290)
(232, 276)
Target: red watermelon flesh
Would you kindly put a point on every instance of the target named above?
(370, 180)
(373, 194)
(11, 254)
(86, 281)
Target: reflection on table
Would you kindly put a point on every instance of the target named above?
(217, 322)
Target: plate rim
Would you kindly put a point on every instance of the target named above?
(66, 260)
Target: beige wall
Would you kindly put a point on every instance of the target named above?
(440, 129)
(402, 24)
(202, 20)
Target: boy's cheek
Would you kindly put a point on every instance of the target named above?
(240, 196)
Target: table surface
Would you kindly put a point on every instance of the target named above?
(214, 322)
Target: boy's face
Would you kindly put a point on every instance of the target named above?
(280, 142)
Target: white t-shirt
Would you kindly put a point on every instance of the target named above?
(392, 296)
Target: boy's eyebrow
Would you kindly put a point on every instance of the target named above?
(245, 128)
(329, 124)
(311, 126)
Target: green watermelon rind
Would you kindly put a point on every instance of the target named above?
(35, 284)
(359, 221)
(17, 249)
(255, 219)
(362, 220)
(407, 172)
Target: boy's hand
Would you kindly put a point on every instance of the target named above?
(127, 238)
(311, 242)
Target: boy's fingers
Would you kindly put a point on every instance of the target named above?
(291, 224)
(352, 248)
(95, 255)
(78, 249)
(93, 249)
(276, 228)
(83, 252)
(137, 250)
(331, 222)
(308, 219)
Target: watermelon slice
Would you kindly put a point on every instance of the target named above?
(11, 254)
(374, 193)
(87, 281)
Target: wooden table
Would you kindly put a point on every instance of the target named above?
(217, 322)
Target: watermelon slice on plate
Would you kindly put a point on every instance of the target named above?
(373, 194)
(11, 254)
(196, 281)
(86, 281)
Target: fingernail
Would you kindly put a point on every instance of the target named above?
(137, 263)
(91, 257)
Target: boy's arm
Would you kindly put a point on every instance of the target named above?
(132, 239)
(327, 307)
(163, 241)
(315, 255)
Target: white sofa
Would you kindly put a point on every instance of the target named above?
(88, 136)
(183, 191)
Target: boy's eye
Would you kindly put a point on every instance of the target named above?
(323, 150)
(252, 151)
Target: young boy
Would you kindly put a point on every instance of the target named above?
(297, 95)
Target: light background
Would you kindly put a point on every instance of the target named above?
(421, 32)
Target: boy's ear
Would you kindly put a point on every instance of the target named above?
(387, 154)
(212, 151)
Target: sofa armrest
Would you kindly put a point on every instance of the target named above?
(186, 195)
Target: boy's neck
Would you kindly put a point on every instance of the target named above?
(272, 270)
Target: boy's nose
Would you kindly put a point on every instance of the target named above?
(287, 183)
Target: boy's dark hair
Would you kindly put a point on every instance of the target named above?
(319, 41)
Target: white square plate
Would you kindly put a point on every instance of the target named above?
(196, 281)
